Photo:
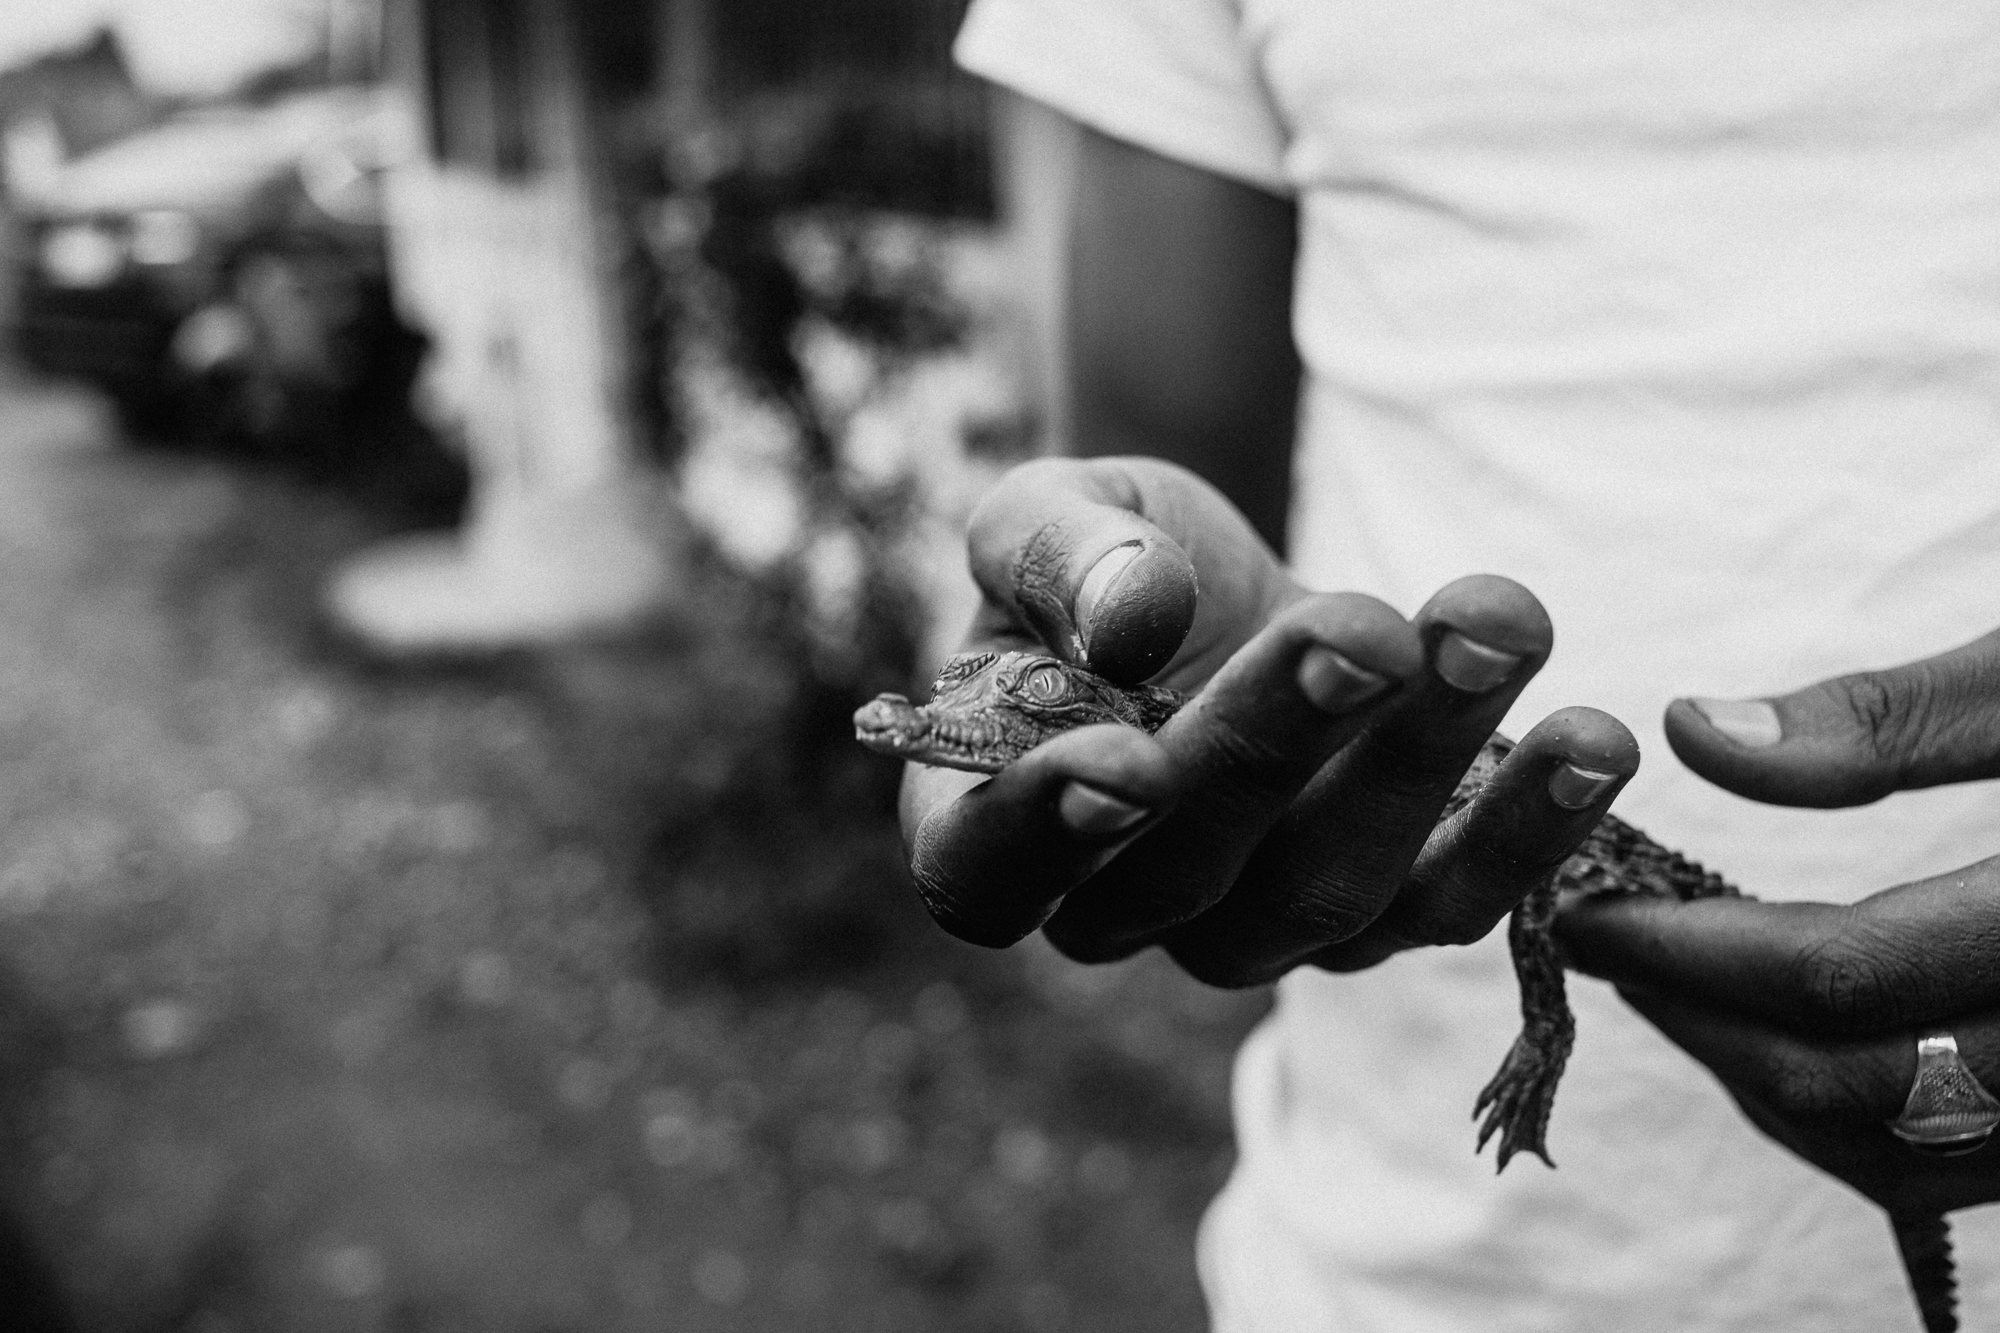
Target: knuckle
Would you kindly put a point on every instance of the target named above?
(1846, 984)
(1327, 912)
(1241, 748)
(1249, 772)
(1893, 712)
(1871, 703)
(1958, 716)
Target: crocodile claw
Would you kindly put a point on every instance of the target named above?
(1517, 1102)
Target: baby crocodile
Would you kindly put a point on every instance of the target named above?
(989, 709)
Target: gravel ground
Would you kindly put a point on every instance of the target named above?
(551, 993)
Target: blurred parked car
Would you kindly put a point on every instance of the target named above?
(222, 274)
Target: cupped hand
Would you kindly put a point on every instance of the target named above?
(1289, 813)
(1809, 1012)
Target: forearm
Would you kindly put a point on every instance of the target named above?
(1243, 449)
(1178, 339)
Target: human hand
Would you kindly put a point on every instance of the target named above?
(1287, 814)
(1808, 1012)
(1852, 739)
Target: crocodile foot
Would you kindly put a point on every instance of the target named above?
(1517, 1102)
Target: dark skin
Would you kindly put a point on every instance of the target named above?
(1212, 383)
(1288, 819)
(1807, 1011)
(1280, 819)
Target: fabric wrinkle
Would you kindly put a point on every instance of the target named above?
(1686, 316)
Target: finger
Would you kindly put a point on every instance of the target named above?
(1243, 748)
(1100, 560)
(1911, 955)
(1830, 1101)
(1341, 849)
(991, 859)
(1517, 832)
(1797, 1079)
(1853, 739)
(1860, 1080)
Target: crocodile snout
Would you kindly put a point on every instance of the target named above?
(887, 720)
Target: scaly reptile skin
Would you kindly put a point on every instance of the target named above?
(989, 709)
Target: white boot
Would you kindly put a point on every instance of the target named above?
(531, 568)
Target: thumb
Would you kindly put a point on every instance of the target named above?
(1852, 739)
(1101, 560)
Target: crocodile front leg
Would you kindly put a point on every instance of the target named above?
(1520, 1096)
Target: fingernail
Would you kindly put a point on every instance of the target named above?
(1098, 582)
(1469, 665)
(1573, 787)
(1095, 813)
(1334, 684)
(1751, 723)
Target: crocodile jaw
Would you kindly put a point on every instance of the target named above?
(892, 725)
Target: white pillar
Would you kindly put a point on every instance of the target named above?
(513, 277)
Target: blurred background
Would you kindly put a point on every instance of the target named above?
(461, 463)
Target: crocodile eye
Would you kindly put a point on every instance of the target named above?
(1045, 685)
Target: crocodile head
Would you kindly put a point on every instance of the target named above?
(989, 709)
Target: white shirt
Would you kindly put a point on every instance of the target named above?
(1687, 316)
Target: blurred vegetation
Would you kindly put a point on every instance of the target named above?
(822, 215)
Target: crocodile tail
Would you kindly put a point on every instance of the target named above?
(1925, 1241)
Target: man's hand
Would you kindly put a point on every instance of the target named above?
(1807, 1012)
(1288, 814)
(1853, 739)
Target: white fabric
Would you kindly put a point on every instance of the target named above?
(1687, 316)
